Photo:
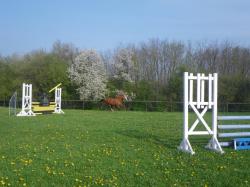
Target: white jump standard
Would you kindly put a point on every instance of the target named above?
(58, 100)
(26, 101)
(200, 104)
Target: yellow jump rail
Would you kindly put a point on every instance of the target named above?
(36, 108)
(55, 87)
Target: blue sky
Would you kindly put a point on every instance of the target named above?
(27, 25)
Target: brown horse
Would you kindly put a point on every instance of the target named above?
(117, 102)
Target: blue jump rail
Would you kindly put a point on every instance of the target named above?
(241, 143)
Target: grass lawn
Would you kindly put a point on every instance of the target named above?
(101, 148)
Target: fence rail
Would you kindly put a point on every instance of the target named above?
(142, 106)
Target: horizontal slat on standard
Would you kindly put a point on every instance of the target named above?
(237, 126)
(199, 133)
(233, 134)
(192, 77)
(201, 103)
(226, 144)
(233, 117)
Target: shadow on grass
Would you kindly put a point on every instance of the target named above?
(169, 142)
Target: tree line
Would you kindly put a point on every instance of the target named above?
(151, 70)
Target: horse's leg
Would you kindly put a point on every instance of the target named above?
(121, 107)
(124, 106)
(111, 108)
(117, 107)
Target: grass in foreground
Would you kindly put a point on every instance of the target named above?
(100, 148)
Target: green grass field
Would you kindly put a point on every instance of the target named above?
(101, 148)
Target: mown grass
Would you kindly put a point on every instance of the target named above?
(101, 148)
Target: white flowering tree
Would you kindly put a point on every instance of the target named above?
(123, 65)
(88, 73)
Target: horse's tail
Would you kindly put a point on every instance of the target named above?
(102, 103)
